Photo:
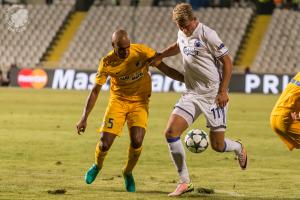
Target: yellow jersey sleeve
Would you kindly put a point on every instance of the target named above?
(149, 52)
(102, 73)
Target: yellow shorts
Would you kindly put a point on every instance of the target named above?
(120, 111)
(287, 129)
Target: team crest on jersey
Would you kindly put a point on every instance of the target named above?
(139, 64)
(197, 43)
(190, 51)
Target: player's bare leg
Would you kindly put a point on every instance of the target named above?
(221, 144)
(102, 148)
(134, 151)
(175, 127)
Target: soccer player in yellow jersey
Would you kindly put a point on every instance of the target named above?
(129, 97)
(285, 116)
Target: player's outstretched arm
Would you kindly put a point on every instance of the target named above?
(90, 102)
(172, 50)
(170, 72)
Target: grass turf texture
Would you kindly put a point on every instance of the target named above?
(42, 157)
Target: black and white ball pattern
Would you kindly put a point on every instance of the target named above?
(196, 141)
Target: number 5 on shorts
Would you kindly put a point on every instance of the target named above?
(110, 123)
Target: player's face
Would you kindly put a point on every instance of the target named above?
(122, 49)
(188, 27)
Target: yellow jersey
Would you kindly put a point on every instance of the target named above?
(129, 77)
(289, 100)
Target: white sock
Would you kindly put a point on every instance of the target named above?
(178, 156)
(232, 146)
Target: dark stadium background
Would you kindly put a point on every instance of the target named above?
(262, 36)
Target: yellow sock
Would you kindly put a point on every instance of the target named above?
(99, 156)
(133, 157)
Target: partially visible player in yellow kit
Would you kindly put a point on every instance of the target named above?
(130, 91)
(285, 116)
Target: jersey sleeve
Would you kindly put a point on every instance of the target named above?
(102, 73)
(216, 45)
(149, 52)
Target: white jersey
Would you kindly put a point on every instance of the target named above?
(200, 54)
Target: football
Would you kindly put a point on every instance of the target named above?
(196, 141)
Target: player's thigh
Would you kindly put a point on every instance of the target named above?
(114, 117)
(137, 115)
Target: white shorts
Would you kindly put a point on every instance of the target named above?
(191, 106)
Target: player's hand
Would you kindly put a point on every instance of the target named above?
(222, 99)
(155, 60)
(81, 126)
(295, 116)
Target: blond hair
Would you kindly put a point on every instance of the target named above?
(182, 13)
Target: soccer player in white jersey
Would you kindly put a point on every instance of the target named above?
(207, 72)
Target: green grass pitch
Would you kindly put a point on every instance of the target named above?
(41, 153)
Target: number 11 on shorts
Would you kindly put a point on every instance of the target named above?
(218, 113)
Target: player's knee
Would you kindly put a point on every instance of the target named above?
(104, 146)
(171, 133)
(218, 146)
(137, 143)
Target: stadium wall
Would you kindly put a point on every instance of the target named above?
(84, 80)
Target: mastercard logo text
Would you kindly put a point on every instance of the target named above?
(32, 78)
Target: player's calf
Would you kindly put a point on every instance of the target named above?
(218, 147)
